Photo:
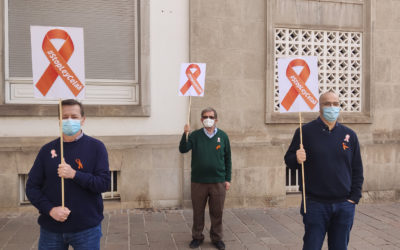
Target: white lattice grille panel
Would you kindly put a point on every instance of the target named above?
(339, 61)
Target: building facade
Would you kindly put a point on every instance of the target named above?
(133, 52)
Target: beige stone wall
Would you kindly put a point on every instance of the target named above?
(151, 168)
(233, 38)
(381, 155)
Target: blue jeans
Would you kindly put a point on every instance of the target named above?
(336, 219)
(88, 239)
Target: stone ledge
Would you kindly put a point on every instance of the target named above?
(290, 200)
(112, 142)
(385, 137)
(380, 196)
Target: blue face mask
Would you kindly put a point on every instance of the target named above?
(71, 126)
(331, 113)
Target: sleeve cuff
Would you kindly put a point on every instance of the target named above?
(356, 200)
(46, 208)
(79, 178)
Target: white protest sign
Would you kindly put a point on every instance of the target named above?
(298, 84)
(58, 62)
(192, 79)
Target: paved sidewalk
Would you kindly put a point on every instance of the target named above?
(377, 226)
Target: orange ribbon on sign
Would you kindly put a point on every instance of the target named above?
(299, 85)
(58, 63)
(192, 80)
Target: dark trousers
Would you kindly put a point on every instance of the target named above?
(334, 219)
(215, 194)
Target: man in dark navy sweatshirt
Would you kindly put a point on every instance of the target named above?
(333, 176)
(86, 175)
(210, 176)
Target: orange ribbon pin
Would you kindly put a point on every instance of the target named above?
(78, 161)
(218, 147)
(58, 63)
(299, 85)
(344, 146)
(192, 79)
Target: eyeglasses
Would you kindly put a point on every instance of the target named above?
(336, 104)
(205, 117)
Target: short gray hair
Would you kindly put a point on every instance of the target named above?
(209, 109)
(325, 93)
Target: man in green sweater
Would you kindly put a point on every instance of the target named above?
(210, 177)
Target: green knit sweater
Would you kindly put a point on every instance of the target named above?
(211, 157)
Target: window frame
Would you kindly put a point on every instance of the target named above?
(113, 194)
(365, 116)
(23, 199)
(142, 108)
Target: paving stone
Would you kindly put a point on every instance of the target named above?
(139, 247)
(246, 238)
(363, 246)
(162, 246)
(3, 221)
(255, 246)
(233, 246)
(172, 218)
(275, 229)
(136, 222)
(179, 227)
(138, 238)
(183, 245)
(270, 240)
(229, 236)
(393, 233)
(376, 226)
(159, 236)
(25, 235)
(207, 245)
(276, 247)
(255, 228)
(153, 226)
(237, 227)
(262, 234)
(182, 237)
(154, 217)
(116, 246)
(243, 216)
(389, 247)
(18, 246)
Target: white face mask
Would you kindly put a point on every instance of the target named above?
(208, 123)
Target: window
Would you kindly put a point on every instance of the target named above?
(112, 192)
(292, 180)
(343, 49)
(23, 178)
(339, 61)
(116, 54)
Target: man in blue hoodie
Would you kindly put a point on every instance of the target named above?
(333, 173)
(86, 175)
